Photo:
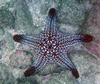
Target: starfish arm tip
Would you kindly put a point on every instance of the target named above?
(17, 38)
(52, 12)
(29, 71)
(87, 38)
(75, 73)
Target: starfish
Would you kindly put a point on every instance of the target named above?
(51, 46)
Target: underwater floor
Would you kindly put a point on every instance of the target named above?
(30, 17)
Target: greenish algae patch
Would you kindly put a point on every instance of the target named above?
(6, 18)
(6, 76)
(23, 17)
(29, 80)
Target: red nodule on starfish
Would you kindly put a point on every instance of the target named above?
(29, 71)
(87, 38)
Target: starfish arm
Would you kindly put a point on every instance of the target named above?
(39, 64)
(64, 61)
(76, 39)
(29, 71)
(26, 39)
(51, 21)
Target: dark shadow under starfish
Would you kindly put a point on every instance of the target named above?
(51, 46)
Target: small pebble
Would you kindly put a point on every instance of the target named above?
(1, 52)
(2, 32)
(2, 44)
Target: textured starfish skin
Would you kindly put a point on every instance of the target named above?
(51, 46)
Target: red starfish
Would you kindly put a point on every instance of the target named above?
(51, 46)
